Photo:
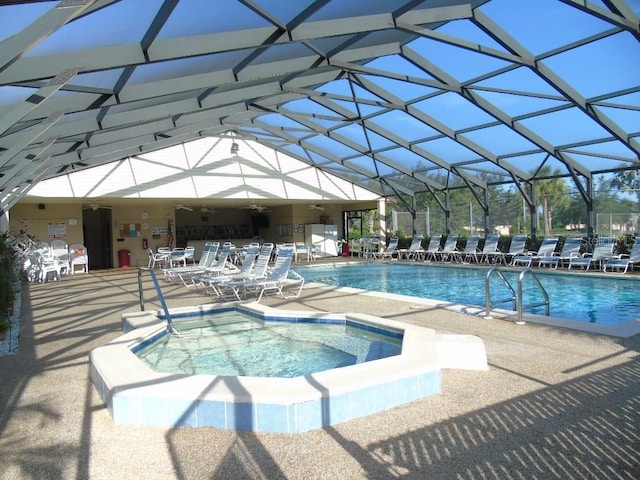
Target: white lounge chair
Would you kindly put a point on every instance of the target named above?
(277, 282)
(448, 250)
(222, 265)
(516, 247)
(391, 250)
(254, 267)
(469, 251)
(489, 249)
(213, 267)
(571, 248)
(546, 249)
(207, 259)
(433, 248)
(415, 250)
(624, 261)
(602, 251)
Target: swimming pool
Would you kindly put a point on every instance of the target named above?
(586, 298)
(236, 343)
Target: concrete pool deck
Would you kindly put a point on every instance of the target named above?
(555, 403)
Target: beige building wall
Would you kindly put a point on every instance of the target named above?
(48, 221)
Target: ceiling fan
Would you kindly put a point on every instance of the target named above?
(256, 207)
(179, 206)
(95, 206)
(316, 207)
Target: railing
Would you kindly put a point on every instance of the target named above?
(530, 305)
(515, 299)
(487, 292)
(167, 315)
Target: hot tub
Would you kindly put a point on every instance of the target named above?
(136, 394)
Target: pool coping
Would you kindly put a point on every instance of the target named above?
(136, 394)
(620, 330)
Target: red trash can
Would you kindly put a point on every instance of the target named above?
(124, 258)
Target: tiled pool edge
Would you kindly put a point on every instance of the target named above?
(135, 394)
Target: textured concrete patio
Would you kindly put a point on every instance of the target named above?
(555, 403)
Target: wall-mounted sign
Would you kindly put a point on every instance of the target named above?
(57, 230)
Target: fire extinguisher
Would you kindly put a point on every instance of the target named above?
(145, 244)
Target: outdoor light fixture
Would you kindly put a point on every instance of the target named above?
(234, 148)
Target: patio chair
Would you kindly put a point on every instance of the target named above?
(222, 264)
(469, 251)
(302, 251)
(624, 261)
(516, 247)
(189, 254)
(45, 267)
(179, 274)
(178, 256)
(370, 247)
(391, 250)
(78, 256)
(449, 248)
(571, 248)
(490, 248)
(602, 251)
(240, 254)
(60, 251)
(205, 280)
(546, 249)
(31, 268)
(414, 251)
(275, 283)
(252, 268)
(433, 247)
(155, 258)
(43, 247)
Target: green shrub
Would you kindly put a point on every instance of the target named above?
(9, 268)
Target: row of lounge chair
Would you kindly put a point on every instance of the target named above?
(601, 256)
(217, 276)
(572, 254)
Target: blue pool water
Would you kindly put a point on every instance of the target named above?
(232, 343)
(605, 301)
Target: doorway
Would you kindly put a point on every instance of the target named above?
(359, 223)
(96, 228)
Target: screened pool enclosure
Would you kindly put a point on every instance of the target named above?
(468, 108)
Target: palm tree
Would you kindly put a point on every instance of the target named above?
(628, 181)
(551, 193)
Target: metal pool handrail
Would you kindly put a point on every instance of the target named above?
(515, 299)
(167, 315)
(487, 292)
(530, 305)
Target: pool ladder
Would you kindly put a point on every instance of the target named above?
(167, 315)
(515, 299)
